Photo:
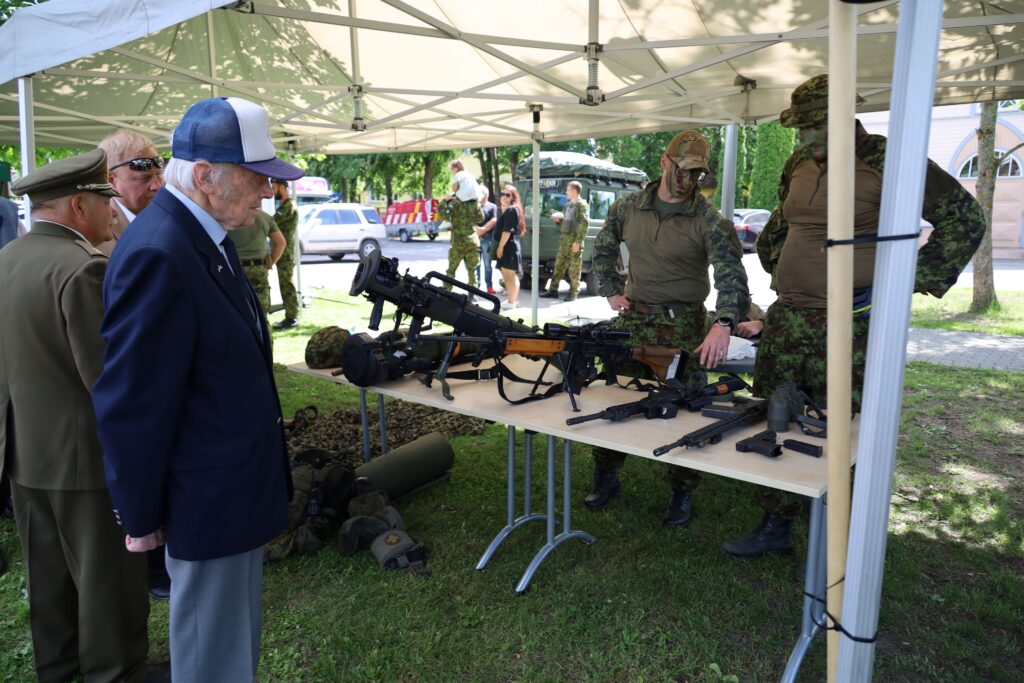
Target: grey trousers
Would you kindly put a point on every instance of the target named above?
(215, 618)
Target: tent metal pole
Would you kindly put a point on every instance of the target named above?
(28, 135)
(842, 49)
(535, 213)
(732, 132)
(895, 263)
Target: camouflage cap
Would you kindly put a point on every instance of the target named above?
(323, 350)
(808, 105)
(689, 149)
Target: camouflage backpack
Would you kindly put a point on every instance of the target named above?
(323, 486)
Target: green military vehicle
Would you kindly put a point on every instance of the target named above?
(603, 182)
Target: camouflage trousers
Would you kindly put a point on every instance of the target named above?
(464, 217)
(685, 332)
(286, 279)
(463, 250)
(793, 348)
(259, 277)
(567, 264)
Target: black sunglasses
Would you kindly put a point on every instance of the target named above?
(506, 194)
(143, 164)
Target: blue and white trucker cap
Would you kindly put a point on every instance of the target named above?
(230, 130)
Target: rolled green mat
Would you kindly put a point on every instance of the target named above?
(411, 466)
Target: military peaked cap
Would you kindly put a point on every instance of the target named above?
(689, 150)
(84, 173)
(809, 104)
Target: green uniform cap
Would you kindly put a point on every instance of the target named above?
(689, 149)
(84, 173)
(808, 105)
(323, 350)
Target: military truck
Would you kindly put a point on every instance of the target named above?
(603, 183)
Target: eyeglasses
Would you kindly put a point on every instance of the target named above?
(695, 173)
(506, 194)
(142, 164)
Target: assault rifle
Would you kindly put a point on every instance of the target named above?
(574, 350)
(664, 402)
(377, 278)
(745, 412)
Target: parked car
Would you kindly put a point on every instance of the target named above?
(748, 224)
(338, 229)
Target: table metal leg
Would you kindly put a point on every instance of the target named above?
(567, 532)
(814, 610)
(512, 522)
(383, 424)
(364, 417)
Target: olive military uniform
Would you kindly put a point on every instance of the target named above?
(88, 603)
(668, 281)
(465, 245)
(573, 227)
(251, 244)
(793, 345)
(287, 220)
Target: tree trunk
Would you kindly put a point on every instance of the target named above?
(984, 282)
(493, 175)
(513, 162)
(428, 175)
(389, 191)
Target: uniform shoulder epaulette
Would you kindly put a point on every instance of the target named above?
(89, 249)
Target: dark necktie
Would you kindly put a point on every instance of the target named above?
(236, 269)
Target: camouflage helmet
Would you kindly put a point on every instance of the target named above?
(689, 149)
(323, 350)
(808, 105)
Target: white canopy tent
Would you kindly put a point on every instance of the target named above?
(388, 75)
(395, 75)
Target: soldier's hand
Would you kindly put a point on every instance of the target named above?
(715, 347)
(575, 247)
(145, 543)
(750, 328)
(619, 302)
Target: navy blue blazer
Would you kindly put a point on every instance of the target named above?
(186, 405)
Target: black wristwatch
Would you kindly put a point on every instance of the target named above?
(724, 322)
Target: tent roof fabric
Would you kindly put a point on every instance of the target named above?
(416, 75)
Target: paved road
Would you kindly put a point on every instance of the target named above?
(961, 349)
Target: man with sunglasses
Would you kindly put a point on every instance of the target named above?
(673, 234)
(136, 172)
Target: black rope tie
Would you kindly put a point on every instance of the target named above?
(836, 625)
(871, 239)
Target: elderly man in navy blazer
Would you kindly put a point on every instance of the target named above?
(187, 407)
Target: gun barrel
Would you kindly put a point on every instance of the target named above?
(751, 413)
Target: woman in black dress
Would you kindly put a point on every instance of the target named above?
(511, 226)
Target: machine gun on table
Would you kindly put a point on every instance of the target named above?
(574, 350)
(664, 401)
(745, 412)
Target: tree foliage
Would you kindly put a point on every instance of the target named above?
(774, 145)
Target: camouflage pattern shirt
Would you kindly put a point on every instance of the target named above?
(576, 220)
(955, 215)
(668, 259)
(287, 219)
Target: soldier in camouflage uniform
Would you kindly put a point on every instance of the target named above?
(794, 340)
(673, 233)
(465, 246)
(251, 245)
(572, 224)
(287, 219)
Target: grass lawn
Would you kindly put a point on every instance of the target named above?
(646, 603)
(951, 313)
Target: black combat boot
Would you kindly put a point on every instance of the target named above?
(680, 510)
(548, 294)
(775, 534)
(606, 487)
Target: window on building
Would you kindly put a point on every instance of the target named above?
(1010, 168)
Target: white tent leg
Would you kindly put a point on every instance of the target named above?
(902, 193)
(28, 135)
(535, 212)
(729, 170)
